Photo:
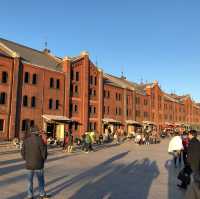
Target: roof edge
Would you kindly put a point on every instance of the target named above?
(7, 50)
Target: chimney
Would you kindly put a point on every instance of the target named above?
(84, 53)
(46, 51)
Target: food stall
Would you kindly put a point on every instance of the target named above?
(132, 127)
(149, 125)
(54, 126)
(111, 124)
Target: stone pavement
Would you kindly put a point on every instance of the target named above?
(125, 171)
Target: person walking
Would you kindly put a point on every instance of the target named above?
(184, 174)
(66, 142)
(193, 158)
(116, 137)
(175, 148)
(88, 142)
(34, 152)
(185, 141)
(70, 143)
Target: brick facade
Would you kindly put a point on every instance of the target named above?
(74, 87)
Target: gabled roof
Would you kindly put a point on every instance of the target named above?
(123, 83)
(112, 83)
(30, 55)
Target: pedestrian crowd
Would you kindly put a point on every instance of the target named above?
(185, 148)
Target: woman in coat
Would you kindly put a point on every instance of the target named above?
(175, 148)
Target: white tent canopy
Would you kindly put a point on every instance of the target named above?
(57, 118)
(110, 120)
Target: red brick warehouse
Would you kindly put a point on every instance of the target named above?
(37, 87)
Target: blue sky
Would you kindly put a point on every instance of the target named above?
(149, 39)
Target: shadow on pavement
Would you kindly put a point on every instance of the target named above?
(24, 194)
(9, 152)
(105, 146)
(173, 190)
(11, 161)
(110, 179)
(13, 168)
(75, 179)
(119, 181)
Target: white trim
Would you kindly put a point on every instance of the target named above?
(9, 51)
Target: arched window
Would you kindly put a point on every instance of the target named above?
(26, 77)
(76, 108)
(57, 104)
(25, 100)
(2, 98)
(57, 83)
(33, 101)
(50, 103)
(76, 89)
(51, 82)
(1, 124)
(4, 77)
(34, 80)
(25, 124)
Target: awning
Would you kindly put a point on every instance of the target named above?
(169, 124)
(57, 118)
(149, 123)
(178, 124)
(110, 120)
(133, 122)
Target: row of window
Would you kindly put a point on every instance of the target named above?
(93, 80)
(92, 126)
(53, 83)
(92, 110)
(74, 89)
(170, 117)
(27, 78)
(26, 124)
(106, 109)
(73, 108)
(51, 104)
(92, 92)
(106, 94)
(26, 103)
(137, 101)
(118, 111)
(145, 114)
(74, 75)
(33, 102)
(118, 96)
(170, 107)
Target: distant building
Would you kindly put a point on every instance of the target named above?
(37, 87)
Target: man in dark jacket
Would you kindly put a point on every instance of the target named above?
(34, 152)
(193, 158)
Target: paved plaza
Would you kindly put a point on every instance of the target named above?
(125, 171)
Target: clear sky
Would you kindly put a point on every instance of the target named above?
(148, 39)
